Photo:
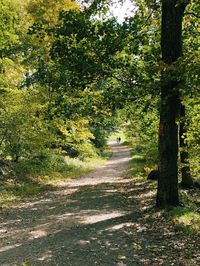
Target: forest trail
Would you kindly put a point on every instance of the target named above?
(98, 219)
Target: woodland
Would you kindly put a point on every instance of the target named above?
(71, 74)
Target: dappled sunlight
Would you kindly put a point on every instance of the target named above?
(118, 226)
(99, 133)
(46, 256)
(91, 219)
(5, 248)
(117, 161)
(37, 234)
(103, 217)
(143, 196)
(65, 191)
(110, 191)
(27, 205)
(89, 204)
(84, 242)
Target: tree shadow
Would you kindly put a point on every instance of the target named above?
(107, 224)
(111, 221)
(88, 225)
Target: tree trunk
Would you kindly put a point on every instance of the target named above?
(171, 47)
(187, 181)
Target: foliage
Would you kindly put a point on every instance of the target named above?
(141, 126)
(67, 74)
(43, 172)
(192, 135)
(48, 11)
(9, 23)
(187, 217)
(22, 131)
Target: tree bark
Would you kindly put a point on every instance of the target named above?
(171, 47)
(187, 181)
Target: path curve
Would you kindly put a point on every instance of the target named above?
(81, 223)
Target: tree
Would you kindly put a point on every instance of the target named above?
(171, 46)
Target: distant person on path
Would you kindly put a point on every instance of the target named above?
(118, 140)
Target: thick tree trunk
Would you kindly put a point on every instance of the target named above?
(171, 46)
(167, 193)
(187, 181)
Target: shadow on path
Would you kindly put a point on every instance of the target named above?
(99, 219)
(74, 225)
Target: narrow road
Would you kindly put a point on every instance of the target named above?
(83, 223)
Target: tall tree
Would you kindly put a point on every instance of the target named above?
(171, 47)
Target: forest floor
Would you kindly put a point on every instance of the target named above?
(104, 218)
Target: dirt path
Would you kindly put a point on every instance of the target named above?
(73, 225)
(100, 219)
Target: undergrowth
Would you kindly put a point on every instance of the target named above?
(28, 178)
(185, 217)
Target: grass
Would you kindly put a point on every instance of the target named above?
(136, 168)
(186, 217)
(29, 178)
(139, 167)
(27, 263)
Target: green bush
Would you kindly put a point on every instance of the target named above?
(193, 134)
(142, 128)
